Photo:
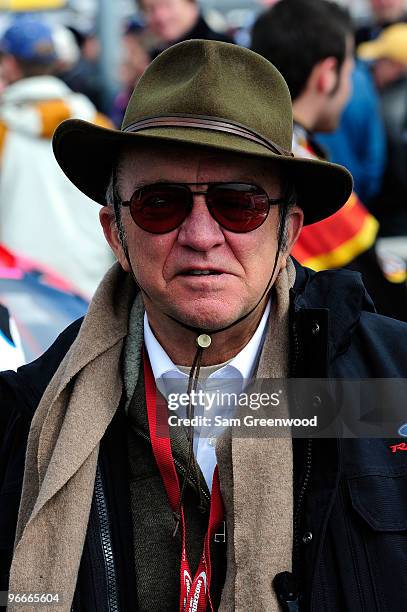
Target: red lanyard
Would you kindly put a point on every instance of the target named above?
(194, 592)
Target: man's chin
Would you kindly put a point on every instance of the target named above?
(207, 320)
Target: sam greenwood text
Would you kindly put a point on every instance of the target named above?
(248, 421)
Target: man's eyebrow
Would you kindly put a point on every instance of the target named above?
(241, 178)
(141, 183)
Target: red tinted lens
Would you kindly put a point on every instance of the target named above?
(238, 207)
(160, 208)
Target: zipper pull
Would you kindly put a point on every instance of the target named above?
(287, 590)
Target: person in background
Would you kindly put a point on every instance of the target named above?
(311, 43)
(134, 61)
(66, 49)
(388, 54)
(11, 352)
(384, 13)
(83, 76)
(41, 215)
(359, 143)
(173, 21)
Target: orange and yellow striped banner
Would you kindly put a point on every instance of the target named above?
(337, 240)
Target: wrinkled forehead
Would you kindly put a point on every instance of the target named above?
(183, 163)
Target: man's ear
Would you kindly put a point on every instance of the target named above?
(325, 75)
(111, 232)
(294, 223)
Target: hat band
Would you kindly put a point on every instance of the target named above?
(208, 123)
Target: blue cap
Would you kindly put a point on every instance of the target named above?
(29, 39)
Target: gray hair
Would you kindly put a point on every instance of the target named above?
(112, 201)
(284, 210)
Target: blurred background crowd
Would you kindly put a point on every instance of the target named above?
(345, 64)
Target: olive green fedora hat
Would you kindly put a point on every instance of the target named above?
(207, 94)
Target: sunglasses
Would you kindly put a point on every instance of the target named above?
(162, 207)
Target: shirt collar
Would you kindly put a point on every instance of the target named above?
(242, 364)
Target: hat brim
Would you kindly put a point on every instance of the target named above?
(87, 154)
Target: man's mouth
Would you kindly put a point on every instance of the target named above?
(201, 273)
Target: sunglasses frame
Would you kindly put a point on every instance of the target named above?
(211, 186)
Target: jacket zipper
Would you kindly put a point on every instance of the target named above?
(177, 463)
(307, 472)
(300, 507)
(106, 542)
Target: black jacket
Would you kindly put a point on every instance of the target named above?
(350, 519)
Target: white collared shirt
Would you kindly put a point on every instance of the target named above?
(240, 369)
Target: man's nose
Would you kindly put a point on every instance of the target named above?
(200, 231)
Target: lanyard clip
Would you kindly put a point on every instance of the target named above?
(287, 590)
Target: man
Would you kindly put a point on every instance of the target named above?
(173, 21)
(385, 13)
(134, 61)
(359, 143)
(319, 82)
(202, 202)
(388, 54)
(41, 216)
(83, 76)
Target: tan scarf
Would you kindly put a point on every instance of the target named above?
(61, 459)
(256, 477)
